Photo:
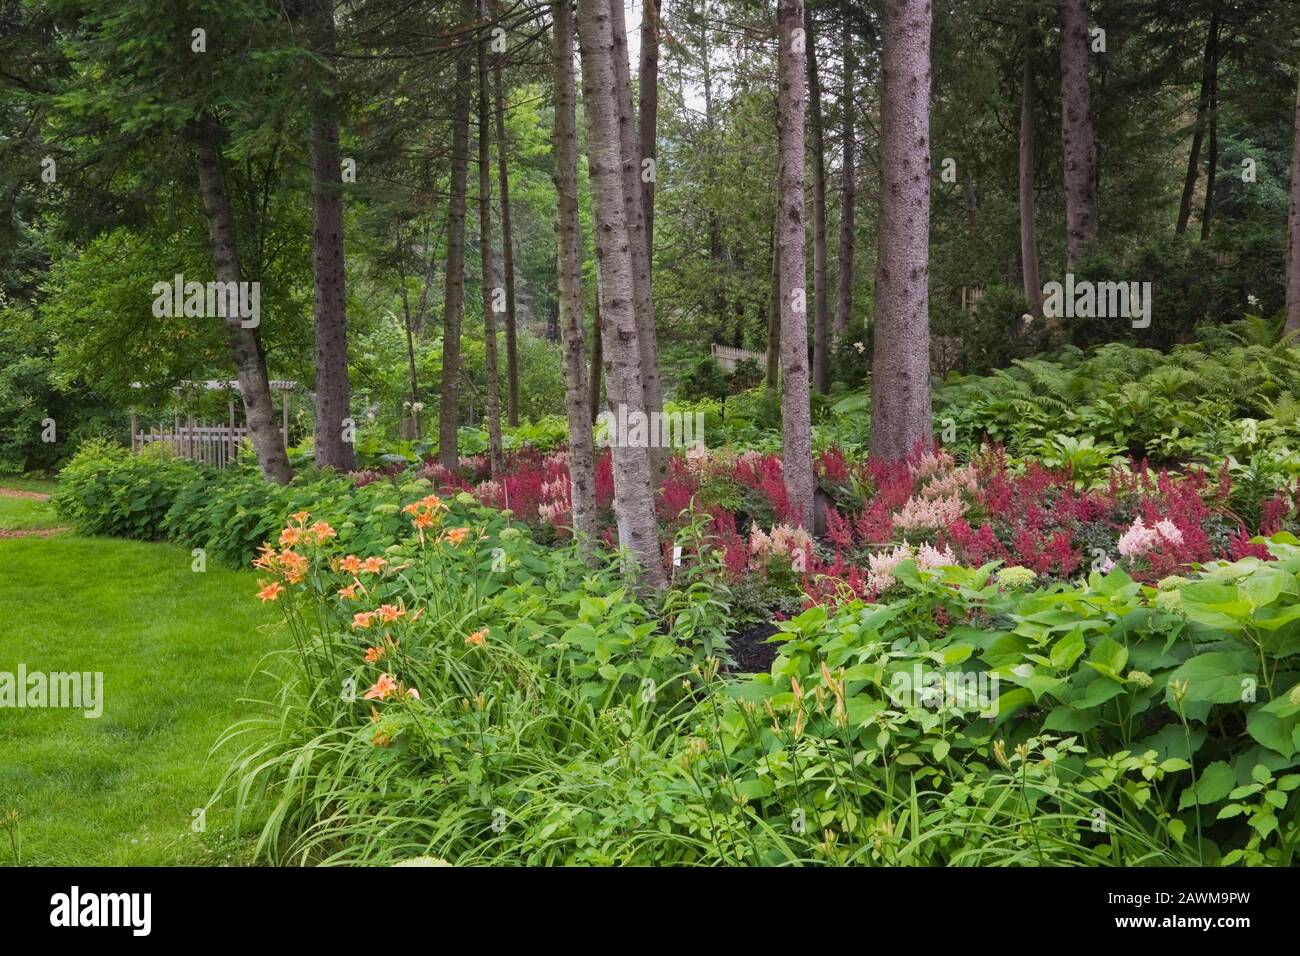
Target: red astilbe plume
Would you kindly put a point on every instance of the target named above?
(875, 523)
(838, 529)
(1242, 547)
(832, 465)
(974, 547)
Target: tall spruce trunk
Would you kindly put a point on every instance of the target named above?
(848, 191)
(796, 410)
(329, 299)
(633, 492)
(453, 305)
(648, 115)
(900, 367)
(597, 377)
(507, 252)
(1212, 156)
(245, 343)
(1202, 110)
(1293, 228)
(1076, 133)
(582, 457)
(1028, 204)
(821, 354)
(774, 311)
(642, 292)
(493, 385)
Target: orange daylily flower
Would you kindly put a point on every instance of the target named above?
(322, 531)
(478, 637)
(363, 619)
(300, 516)
(351, 564)
(349, 592)
(290, 536)
(388, 613)
(271, 592)
(373, 654)
(457, 536)
(424, 520)
(383, 687)
(373, 565)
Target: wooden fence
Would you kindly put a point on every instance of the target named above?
(728, 357)
(209, 444)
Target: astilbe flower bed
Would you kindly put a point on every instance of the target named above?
(929, 509)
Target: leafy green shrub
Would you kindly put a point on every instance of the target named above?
(104, 489)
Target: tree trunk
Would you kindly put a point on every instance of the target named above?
(1293, 229)
(329, 301)
(1028, 229)
(634, 214)
(582, 458)
(1212, 159)
(1076, 133)
(900, 368)
(848, 185)
(495, 455)
(796, 411)
(633, 491)
(774, 312)
(245, 343)
(507, 253)
(453, 305)
(821, 356)
(648, 115)
(1202, 109)
(597, 359)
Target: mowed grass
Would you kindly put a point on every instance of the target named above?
(26, 514)
(177, 650)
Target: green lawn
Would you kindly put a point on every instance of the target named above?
(177, 650)
(26, 514)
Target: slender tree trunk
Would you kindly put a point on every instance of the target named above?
(408, 326)
(642, 293)
(900, 369)
(1028, 228)
(582, 457)
(1212, 159)
(848, 189)
(774, 312)
(821, 319)
(507, 252)
(648, 115)
(968, 199)
(1076, 133)
(597, 359)
(796, 411)
(453, 306)
(1202, 109)
(1293, 228)
(329, 300)
(633, 491)
(245, 343)
(495, 455)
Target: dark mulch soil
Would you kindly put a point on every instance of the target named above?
(750, 650)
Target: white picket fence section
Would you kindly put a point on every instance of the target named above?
(728, 357)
